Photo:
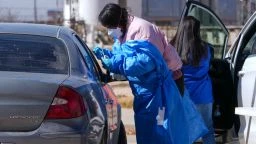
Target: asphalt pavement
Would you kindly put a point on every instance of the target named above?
(128, 120)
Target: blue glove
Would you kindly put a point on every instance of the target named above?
(107, 64)
(98, 52)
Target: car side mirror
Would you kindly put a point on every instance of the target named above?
(105, 77)
(110, 77)
(117, 77)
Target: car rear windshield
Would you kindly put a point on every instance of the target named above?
(30, 53)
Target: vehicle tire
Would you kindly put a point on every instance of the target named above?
(122, 134)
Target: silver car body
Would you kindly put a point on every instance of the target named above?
(27, 96)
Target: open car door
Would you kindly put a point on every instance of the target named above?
(215, 33)
(244, 62)
(247, 96)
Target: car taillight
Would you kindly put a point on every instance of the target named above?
(66, 104)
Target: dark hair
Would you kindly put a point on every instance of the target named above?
(188, 42)
(112, 15)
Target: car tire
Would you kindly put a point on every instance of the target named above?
(122, 134)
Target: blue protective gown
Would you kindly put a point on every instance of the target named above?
(198, 81)
(153, 88)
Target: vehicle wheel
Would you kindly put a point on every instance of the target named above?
(122, 134)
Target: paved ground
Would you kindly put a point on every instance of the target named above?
(128, 116)
(128, 120)
(131, 139)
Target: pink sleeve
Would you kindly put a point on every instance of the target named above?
(141, 30)
(158, 39)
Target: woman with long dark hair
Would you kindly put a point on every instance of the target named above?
(196, 56)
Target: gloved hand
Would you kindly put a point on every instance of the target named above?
(98, 52)
(107, 64)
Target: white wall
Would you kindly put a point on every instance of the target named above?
(23, 10)
(89, 10)
(135, 6)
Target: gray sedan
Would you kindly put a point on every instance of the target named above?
(52, 89)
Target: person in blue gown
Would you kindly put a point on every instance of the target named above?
(160, 117)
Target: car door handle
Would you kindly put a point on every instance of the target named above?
(241, 73)
(245, 111)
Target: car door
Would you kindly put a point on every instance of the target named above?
(215, 33)
(247, 94)
(243, 60)
(110, 100)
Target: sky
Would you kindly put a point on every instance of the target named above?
(23, 10)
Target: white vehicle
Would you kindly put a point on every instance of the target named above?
(233, 73)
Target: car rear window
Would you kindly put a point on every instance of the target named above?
(30, 53)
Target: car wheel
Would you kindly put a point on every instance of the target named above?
(122, 134)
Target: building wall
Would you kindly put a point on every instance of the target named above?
(90, 10)
(135, 7)
(171, 10)
(226, 10)
(164, 10)
(85, 10)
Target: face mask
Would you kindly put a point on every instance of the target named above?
(115, 33)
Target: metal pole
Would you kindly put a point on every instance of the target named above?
(35, 10)
(70, 9)
(242, 12)
(245, 7)
(249, 9)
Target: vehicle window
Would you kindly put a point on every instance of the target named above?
(30, 53)
(250, 47)
(212, 30)
(246, 48)
(87, 57)
(253, 51)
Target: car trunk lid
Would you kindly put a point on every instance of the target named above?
(25, 99)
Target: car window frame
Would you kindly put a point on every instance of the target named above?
(83, 47)
(251, 41)
(185, 12)
(246, 28)
(244, 39)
